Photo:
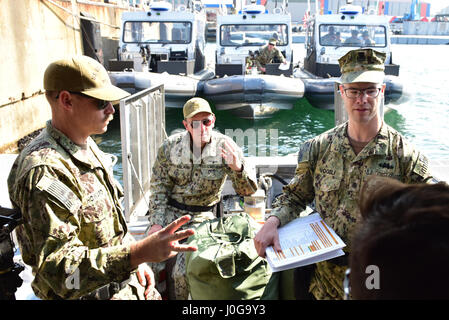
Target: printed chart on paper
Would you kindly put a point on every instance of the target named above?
(304, 241)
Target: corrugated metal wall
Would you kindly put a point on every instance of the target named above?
(34, 33)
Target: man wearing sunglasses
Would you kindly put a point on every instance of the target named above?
(333, 167)
(74, 235)
(188, 178)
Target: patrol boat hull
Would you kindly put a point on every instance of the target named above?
(253, 96)
(178, 88)
(320, 91)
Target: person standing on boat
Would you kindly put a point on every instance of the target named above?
(74, 235)
(330, 38)
(333, 167)
(189, 175)
(268, 54)
(338, 38)
(354, 39)
(366, 39)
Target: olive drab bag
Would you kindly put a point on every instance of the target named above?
(226, 264)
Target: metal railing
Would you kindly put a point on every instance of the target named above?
(142, 129)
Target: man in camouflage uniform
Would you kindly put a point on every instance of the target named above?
(189, 175)
(250, 62)
(267, 54)
(74, 235)
(333, 166)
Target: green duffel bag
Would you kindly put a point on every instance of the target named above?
(226, 265)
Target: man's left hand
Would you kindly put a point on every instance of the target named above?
(146, 278)
(231, 157)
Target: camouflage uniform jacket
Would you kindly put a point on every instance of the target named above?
(330, 174)
(266, 56)
(74, 235)
(249, 63)
(177, 174)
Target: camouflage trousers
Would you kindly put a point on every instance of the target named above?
(134, 291)
(327, 281)
(176, 282)
(174, 285)
(181, 288)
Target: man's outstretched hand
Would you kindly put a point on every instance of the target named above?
(161, 243)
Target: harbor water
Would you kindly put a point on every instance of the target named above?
(423, 119)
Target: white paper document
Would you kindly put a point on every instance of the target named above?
(285, 66)
(304, 241)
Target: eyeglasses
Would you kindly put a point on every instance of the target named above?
(347, 285)
(206, 122)
(101, 104)
(352, 93)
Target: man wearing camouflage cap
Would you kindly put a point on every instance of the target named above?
(267, 54)
(333, 167)
(189, 175)
(74, 235)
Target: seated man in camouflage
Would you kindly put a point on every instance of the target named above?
(333, 167)
(250, 62)
(74, 235)
(354, 39)
(189, 175)
(268, 54)
(366, 40)
(330, 38)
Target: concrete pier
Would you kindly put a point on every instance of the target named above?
(419, 39)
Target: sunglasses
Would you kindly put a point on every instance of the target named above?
(101, 104)
(206, 122)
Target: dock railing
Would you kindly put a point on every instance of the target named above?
(142, 129)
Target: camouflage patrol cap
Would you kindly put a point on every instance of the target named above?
(272, 41)
(362, 65)
(195, 106)
(82, 74)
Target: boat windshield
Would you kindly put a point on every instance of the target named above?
(157, 32)
(442, 17)
(353, 35)
(253, 34)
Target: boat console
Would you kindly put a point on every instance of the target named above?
(247, 31)
(163, 40)
(331, 36)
